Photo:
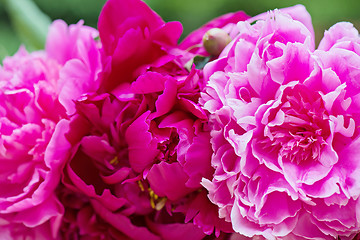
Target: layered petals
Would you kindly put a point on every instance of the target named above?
(134, 39)
(33, 148)
(283, 119)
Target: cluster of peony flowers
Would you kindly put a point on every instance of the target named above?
(242, 131)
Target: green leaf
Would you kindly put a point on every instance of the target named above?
(9, 41)
(3, 52)
(30, 23)
(253, 22)
(201, 61)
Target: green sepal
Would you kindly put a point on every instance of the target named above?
(200, 61)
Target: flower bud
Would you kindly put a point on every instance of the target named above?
(215, 40)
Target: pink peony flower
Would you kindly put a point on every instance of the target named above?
(31, 144)
(108, 165)
(31, 169)
(134, 39)
(77, 51)
(150, 106)
(284, 125)
(80, 220)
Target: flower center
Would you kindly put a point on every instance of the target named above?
(298, 144)
(300, 128)
(156, 202)
(168, 148)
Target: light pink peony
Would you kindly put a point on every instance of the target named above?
(74, 47)
(31, 144)
(284, 122)
(29, 113)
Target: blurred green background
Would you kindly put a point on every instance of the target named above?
(31, 28)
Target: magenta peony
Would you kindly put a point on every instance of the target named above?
(31, 145)
(109, 167)
(284, 122)
(134, 39)
(138, 150)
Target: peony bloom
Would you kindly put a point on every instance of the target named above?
(134, 39)
(80, 220)
(150, 106)
(109, 136)
(31, 169)
(74, 47)
(284, 122)
(30, 114)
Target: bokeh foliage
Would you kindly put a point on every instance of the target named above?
(192, 13)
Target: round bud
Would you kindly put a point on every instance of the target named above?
(215, 40)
